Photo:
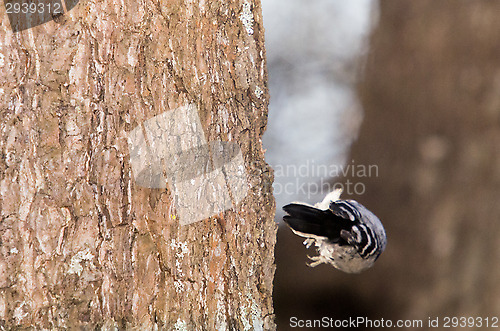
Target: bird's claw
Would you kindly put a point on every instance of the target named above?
(316, 260)
(308, 242)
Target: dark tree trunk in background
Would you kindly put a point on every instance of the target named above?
(432, 126)
(82, 245)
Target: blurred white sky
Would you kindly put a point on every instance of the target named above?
(313, 51)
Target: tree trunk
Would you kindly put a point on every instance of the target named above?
(94, 229)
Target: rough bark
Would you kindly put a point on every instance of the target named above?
(82, 245)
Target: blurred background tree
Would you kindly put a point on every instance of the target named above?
(431, 97)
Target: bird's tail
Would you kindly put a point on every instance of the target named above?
(307, 221)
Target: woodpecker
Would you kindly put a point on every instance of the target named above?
(347, 235)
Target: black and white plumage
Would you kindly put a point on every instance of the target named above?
(346, 234)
